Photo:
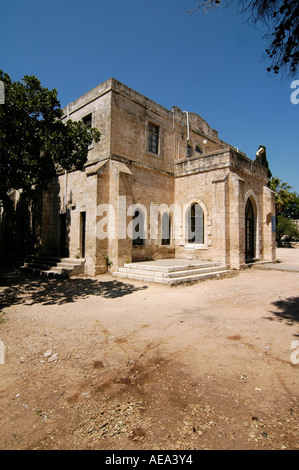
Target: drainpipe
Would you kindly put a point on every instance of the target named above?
(188, 130)
(174, 135)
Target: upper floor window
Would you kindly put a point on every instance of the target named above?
(198, 149)
(153, 138)
(87, 121)
(189, 151)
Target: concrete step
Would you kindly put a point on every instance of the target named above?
(54, 267)
(194, 272)
(148, 266)
(179, 272)
(199, 277)
(171, 272)
(172, 280)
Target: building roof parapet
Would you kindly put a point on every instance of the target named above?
(88, 98)
(220, 159)
(175, 115)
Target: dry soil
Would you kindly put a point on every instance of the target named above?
(98, 363)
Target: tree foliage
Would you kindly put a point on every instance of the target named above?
(286, 228)
(286, 200)
(282, 20)
(34, 142)
(291, 209)
(261, 158)
(287, 208)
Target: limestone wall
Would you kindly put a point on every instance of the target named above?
(221, 182)
(96, 102)
(190, 165)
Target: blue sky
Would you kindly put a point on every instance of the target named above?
(208, 64)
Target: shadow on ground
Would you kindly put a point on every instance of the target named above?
(287, 310)
(17, 288)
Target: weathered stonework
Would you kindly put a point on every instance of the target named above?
(191, 165)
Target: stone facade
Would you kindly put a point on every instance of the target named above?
(158, 162)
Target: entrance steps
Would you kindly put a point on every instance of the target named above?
(53, 267)
(172, 271)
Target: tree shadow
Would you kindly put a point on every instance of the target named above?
(287, 310)
(18, 288)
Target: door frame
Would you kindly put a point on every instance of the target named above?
(251, 221)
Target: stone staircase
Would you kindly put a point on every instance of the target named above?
(172, 271)
(53, 267)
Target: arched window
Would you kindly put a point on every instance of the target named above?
(138, 228)
(166, 229)
(195, 221)
(198, 149)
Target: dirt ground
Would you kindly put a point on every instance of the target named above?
(98, 363)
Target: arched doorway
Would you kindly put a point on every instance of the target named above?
(249, 231)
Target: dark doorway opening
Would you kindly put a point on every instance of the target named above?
(63, 236)
(249, 232)
(138, 228)
(82, 233)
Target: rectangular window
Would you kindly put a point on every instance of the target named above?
(189, 151)
(153, 138)
(87, 121)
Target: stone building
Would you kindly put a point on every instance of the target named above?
(159, 184)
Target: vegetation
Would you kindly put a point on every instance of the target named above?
(286, 228)
(261, 158)
(287, 201)
(108, 262)
(287, 208)
(34, 141)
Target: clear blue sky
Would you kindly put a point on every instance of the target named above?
(211, 65)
